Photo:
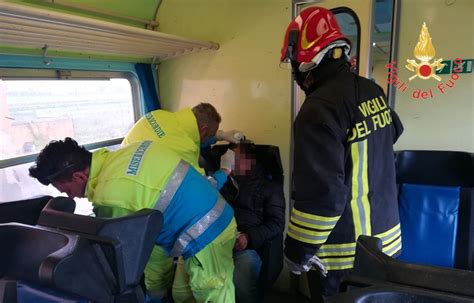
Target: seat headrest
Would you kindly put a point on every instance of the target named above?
(267, 155)
(430, 167)
(23, 211)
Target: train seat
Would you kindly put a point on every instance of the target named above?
(23, 211)
(377, 277)
(74, 258)
(436, 201)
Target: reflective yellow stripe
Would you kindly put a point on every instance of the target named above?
(365, 191)
(304, 222)
(342, 245)
(392, 245)
(304, 239)
(395, 235)
(336, 250)
(355, 190)
(388, 232)
(391, 242)
(348, 252)
(340, 267)
(337, 260)
(338, 263)
(309, 232)
(315, 217)
(360, 204)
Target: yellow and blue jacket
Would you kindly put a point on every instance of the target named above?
(177, 131)
(148, 175)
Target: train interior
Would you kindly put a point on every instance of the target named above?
(90, 69)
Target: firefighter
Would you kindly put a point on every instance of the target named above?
(198, 223)
(344, 171)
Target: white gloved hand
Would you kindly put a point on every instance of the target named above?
(231, 136)
(294, 267)
(314, 261)
(228, 160)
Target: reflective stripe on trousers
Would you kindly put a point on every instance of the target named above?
(172, 186)
(198, 228)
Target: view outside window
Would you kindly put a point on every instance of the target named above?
(349, 28)
(34, 112)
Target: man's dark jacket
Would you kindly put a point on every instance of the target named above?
(344, 172)
(259, 207)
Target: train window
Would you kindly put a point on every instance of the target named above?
(37, 106)
(350, 27)
(381, 41)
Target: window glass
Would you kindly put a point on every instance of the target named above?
(350, 27)
(381, 41)
(34, 112)
(16, 184)
(93, 109)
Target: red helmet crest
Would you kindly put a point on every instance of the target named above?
(317, 27)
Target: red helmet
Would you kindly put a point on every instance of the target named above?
(316, 28)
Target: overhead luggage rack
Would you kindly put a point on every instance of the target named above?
(31, 27)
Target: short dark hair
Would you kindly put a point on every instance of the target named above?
(247, 147)
(206, 114)
(59, 160)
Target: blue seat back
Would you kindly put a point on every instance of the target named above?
(436, 207)
(429, 223)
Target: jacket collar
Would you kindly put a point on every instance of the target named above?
(326, 71)
(187, 120)
(98, 159)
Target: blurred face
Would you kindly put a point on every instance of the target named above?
(244, 163)
(73, 188)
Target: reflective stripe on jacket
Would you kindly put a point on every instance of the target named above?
(148, 175)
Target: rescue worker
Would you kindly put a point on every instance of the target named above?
(344, 172)
(198, 223)
(185, 132)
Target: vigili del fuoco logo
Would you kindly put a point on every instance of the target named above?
(424, 68)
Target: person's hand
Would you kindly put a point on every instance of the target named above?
(241, 242)
(314, 261)
(228, 161)
(231, 136)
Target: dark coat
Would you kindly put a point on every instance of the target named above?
(259, 206)
(344, 172)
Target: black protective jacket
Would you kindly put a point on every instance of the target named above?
(259, 207)
(344, 172)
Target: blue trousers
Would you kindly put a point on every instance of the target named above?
(247, 266)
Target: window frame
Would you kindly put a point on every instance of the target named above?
(352, 13)
(9, 73)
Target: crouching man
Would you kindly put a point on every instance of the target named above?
(198, 223)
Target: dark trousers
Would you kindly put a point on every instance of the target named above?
(321, 287)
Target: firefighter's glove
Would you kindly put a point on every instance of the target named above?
(314, 262)
(228, 161)
(231, 136)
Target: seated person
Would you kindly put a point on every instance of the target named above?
(259, 207)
